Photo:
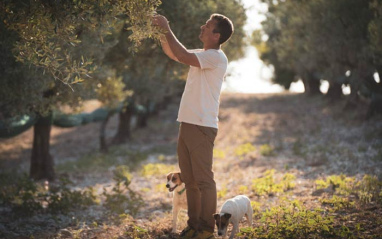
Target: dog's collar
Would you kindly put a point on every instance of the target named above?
(182, 191)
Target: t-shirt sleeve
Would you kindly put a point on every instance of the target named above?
(208, 59)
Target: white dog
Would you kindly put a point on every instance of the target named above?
(179, 200)
(232, 211)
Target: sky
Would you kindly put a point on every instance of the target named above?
(250, 74)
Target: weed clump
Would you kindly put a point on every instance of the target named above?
(367, 190)
(220, 154)
(267, 185)
(122, 199)
(290, 219)
(154, 169)
(26, 197)
(339, 183)
(243, 150)
(337, 203)
(267, 150)
(222, 192)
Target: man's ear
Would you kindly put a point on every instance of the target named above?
(217, 36)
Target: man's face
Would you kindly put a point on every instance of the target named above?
(206, 31)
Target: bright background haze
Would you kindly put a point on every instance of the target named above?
(250, 74)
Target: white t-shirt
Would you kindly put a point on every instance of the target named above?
(201, 96)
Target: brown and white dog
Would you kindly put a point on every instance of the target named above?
(179, 200)
(232, 211)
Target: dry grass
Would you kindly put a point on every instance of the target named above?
(308, 137)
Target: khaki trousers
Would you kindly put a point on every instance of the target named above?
(195, 152)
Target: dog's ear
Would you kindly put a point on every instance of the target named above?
(168, 176)
(180, 176)
(227, 215)
(216, 216)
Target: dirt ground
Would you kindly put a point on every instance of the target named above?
(310, 137)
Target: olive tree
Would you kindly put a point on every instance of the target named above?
(319, 40)
(50, 54)
(150, 74)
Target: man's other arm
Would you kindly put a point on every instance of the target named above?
(166, 48)
(172, 47)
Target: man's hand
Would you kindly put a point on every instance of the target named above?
(170, 44)
(160, 21)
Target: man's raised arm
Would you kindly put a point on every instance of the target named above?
(172, 47)
(166, 48)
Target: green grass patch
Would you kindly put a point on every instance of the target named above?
(243, 189)
(243, 150)
(368, 189)
(267, 150)
(222, 192)
(156, 169)
(257, 208)
(291, 219)
(220, 154)
(121, 199)
(337, 203)
(26, 197)
(161, 188)
(339, 183)
(298, 148)
(97, 161)
(267, 184)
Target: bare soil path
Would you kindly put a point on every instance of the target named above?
(290, 133)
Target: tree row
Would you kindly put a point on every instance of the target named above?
(335, 41)
(57, 54)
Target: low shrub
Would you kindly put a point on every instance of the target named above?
(290, 219)
(337, 203)
(122, 199)
(27, 197)
(267, 186)
(220, 154)
(267, 150)
(222, 192)
(367, 190)
(155, 169)
(243, 150)
(339, 183)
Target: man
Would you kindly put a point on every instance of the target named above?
(198, 117)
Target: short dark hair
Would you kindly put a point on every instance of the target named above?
(224, 26)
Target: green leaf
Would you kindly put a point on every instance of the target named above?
(325, 228)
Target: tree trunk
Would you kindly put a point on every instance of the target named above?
(165, 102)
(142, 120)
(124, 130)
(144, 116)
(102, 135)
(334, 91)
(153, 108)
(41, 160)
(353, 98)
(375, 106)
(379, 71)
(311, 84)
